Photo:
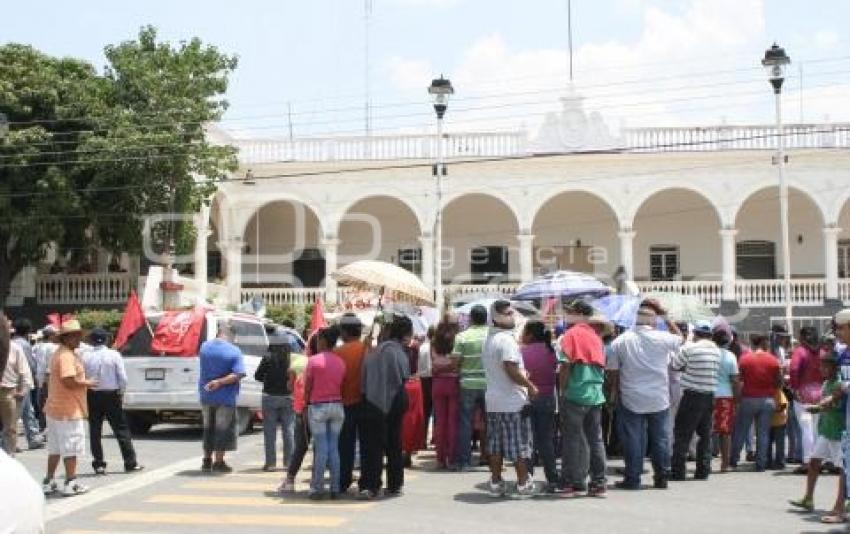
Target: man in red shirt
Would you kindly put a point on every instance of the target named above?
(351, 351)
(761, 376)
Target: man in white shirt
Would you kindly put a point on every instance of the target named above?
(21, 502)
(509, 430)
(639, 364)
(15, 383)
(105, 401)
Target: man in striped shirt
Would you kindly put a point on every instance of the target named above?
(699, 362)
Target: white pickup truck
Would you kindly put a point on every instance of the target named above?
(165, 388)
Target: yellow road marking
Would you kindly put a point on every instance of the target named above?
(215, 500)
(224, 519)
(229, 486)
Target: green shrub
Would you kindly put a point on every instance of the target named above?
(297, 314)
(108, 319)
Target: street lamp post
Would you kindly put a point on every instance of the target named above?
(440, 90)
(775, 60)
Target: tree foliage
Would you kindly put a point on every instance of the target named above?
(88, 155)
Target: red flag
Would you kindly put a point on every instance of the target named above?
(179, 332)
(317, 319)
(131, 321)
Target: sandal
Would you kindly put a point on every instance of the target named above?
(833, 519)
(806, 504)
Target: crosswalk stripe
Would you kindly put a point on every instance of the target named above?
(229, 500)
(229, 486)
(223, 519)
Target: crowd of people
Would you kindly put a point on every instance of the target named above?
(59, 388)
(519, 393)
(672, 392)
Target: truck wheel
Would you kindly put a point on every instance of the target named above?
(140, 424)
(244, 420)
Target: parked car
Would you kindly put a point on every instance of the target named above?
(163, 388)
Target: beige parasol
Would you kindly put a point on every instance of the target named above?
(391, 280)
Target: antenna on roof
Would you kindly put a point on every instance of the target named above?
(367, 19)
(570, 35)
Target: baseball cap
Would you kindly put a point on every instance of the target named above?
(842, 317)
(703, 327)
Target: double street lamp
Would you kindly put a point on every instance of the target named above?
(775, 60)
(440, 90)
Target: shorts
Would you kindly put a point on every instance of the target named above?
(829, 451)
(724, 415)
(66, 438)
(220, 428)
(509, 435)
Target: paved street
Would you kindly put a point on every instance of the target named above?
(171, 495)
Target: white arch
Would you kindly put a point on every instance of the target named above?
(837, 206)
(644, 196)
(543, 201)
(499, 197)
(336, 222)
(752, 191)
(245, 211)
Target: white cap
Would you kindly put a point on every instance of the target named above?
(842, 317)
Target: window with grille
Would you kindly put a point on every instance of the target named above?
(756, 259)
(488, 264)
(663, 262)
(844, 258)
(411, 259)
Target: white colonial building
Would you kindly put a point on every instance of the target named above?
(693, 209)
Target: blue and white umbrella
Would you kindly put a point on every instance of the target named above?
(562, 284)
(619, 309)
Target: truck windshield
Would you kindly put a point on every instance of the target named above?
(249, 337)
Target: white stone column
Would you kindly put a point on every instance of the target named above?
(232, 251)
(427, 260)
(830, 244)
(331, 248)
(526, 256)
(627, 257)
(729, 264)
(202, 232)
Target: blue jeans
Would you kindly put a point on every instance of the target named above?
(278, 412)
(325, 424)
(468, 400)
(28, 418)
(760, 410)
(639, 430)
(795, 433)
(543, 421)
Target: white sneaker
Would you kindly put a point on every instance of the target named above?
(49, 486)
(526, 489)
(287, 486)
(497, 489)
(74, 487)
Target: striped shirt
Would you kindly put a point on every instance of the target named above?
(469, 345)
(699, 362)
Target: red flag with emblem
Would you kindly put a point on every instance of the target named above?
(131, 321)
(179, 332)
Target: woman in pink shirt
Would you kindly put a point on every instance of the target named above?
(445, 391)
(323, 397)
(806, 382)
(541, 363)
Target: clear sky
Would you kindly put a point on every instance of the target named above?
(638, 62)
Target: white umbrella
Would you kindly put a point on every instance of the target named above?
(399, 284)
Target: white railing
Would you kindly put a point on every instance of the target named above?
(96, 288)
(771, 293)
(454, 291)
(387, 147)
(280, 296)
(844, 290)
(709, 291)
(740, 137)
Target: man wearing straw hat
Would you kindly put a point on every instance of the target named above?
(66, 410)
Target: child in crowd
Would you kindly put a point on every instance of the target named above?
(828, 443)
(776, 445)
